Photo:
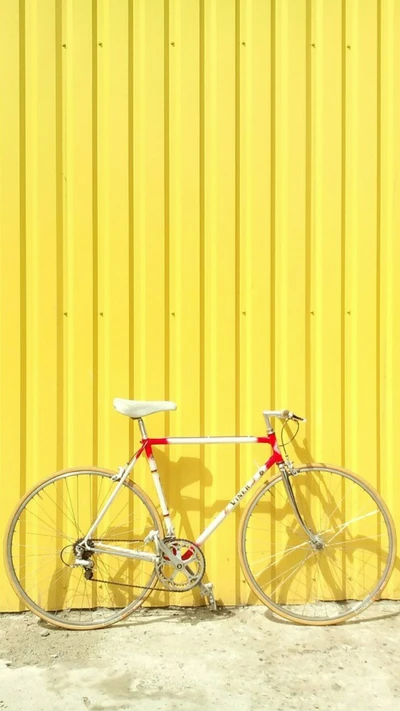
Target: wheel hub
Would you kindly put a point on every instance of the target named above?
(317, 544)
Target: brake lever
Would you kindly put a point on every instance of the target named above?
(298, 418)
(292, 416)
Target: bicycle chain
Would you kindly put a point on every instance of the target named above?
(124, 585)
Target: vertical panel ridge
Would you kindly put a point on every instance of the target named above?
(272, 290)
(167, 204)
(131, 210)
(237, 216)
(22, 209)
(237, 317)
(202, 252)
(95, 229)
(308, 206)
(59, 237)
(343, 237)
(378, 242)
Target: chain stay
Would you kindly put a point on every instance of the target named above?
(119, 540)
(124, 585)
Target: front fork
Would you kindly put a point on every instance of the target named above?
(314, 538)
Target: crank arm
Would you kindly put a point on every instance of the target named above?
(177, 562)
(161, 546)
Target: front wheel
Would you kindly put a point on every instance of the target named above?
(336, 576)
(43, 537)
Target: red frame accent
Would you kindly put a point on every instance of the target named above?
(275, 458)
(147, 447)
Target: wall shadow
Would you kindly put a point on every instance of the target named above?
(302, 451)
(175, 477)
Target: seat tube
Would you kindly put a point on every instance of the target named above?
(156, 478)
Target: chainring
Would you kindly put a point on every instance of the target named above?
(191, 560)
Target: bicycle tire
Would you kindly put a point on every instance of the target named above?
(333, 579)
(30, 526)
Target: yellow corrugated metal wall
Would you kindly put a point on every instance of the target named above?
(199, 201)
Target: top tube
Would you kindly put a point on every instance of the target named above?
(208, 440)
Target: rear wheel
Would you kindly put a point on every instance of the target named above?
(43, 537)
(337, 576)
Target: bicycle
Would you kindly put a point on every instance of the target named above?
(316, 543)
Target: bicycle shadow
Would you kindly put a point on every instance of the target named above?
(303, 453)
(190, 469)
(70, 590)
(175, 476)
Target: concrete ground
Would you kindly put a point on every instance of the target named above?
(242, 660)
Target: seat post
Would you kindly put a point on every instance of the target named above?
(142, 428)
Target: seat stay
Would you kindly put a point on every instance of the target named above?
(120, 478)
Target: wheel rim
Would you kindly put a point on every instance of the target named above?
(346, 567)
(41, 547)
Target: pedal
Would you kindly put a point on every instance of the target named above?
(207, 591)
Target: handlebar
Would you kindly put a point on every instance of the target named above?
(284, 415)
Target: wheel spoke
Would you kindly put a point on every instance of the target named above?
(276, 555)
(292, 572)
(347, 523)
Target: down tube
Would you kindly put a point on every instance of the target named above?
(232, 504)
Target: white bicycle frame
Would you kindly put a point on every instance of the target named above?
(146, 447)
